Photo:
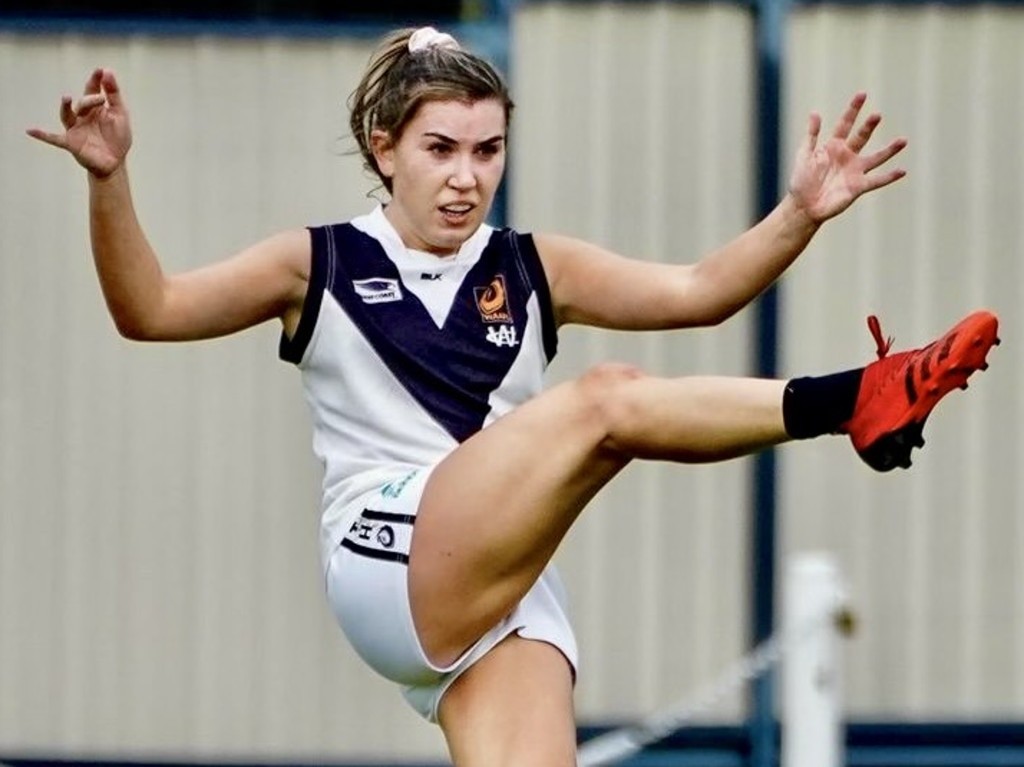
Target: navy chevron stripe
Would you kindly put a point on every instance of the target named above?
(451, 371)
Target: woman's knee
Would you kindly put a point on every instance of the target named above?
(604, 392)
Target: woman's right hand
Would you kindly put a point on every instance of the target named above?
(96, 129)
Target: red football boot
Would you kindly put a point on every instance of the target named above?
(898, 391)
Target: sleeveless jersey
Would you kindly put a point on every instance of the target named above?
(405, 354)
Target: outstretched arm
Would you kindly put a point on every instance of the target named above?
(265, 281)
(593, 286)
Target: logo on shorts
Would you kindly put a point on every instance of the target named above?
(386, 536)
(394, 489)
(377, 290)
(382, 535)
(492, 301)
(369, 531)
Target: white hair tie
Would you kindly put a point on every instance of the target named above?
(428, 37)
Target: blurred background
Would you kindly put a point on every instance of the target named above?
(248, 10)
(159, 589)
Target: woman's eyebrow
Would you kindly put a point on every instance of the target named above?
(440, 137)
(450, 140)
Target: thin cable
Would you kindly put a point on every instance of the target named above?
(614, 746)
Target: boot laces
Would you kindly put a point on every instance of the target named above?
(882, 345)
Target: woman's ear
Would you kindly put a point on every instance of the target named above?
(383, 152)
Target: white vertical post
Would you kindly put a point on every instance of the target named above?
(812, 728)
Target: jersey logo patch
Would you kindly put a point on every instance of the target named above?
(502, 335)
(492, 301)
(378, 290)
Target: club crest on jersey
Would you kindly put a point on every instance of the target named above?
(502, 335)
(492, 301)
(377, 290)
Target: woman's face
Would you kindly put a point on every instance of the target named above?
(444, 171)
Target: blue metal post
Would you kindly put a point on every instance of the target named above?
(770, 28)
(488, 31)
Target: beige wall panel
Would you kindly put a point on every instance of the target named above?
(632, 129)
(159, 583)
(932, 555)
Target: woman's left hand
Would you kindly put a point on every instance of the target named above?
(827, 178)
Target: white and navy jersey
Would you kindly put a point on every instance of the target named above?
(405, 354)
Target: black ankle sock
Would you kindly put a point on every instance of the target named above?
(819, 405)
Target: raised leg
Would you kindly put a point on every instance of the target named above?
(495, 510)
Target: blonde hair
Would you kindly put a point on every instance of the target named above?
(398, 81)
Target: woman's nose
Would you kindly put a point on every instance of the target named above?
(462, 175)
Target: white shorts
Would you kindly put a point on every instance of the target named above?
(369, 596)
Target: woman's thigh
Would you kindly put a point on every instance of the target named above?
(495, 510)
